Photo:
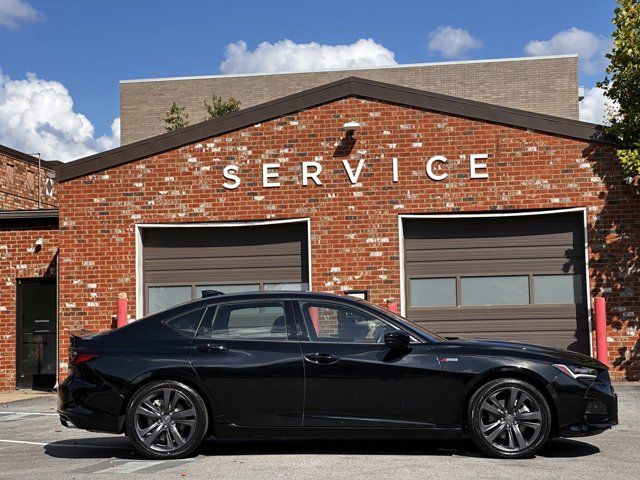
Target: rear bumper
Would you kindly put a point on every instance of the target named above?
(89, 407)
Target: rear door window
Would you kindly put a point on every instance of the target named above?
(247, 321)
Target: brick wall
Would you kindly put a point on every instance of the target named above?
(19, 184)
(19, 259)
(354, 229)
(544, 85)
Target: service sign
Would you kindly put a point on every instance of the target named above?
(311, 172)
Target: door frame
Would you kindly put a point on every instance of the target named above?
(140, 291)
(33, 281)
(587, 277)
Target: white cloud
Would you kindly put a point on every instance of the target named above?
(595, 107)
(37, 115)
(285, 55)
(591, 48)
(453, 43)
(12, 12)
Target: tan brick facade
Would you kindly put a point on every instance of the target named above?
(543, 85)
(354, 227)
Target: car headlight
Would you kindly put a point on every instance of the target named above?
(577, 371)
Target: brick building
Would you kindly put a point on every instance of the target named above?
(28, 262)
(479, 220)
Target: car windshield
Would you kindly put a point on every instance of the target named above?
(415, 326)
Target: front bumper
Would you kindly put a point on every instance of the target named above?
(586, 408)
(88, 406)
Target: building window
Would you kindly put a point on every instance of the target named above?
(166, 296)
(504, 290)
(162, 297)
(538, 289)
(433, 292)
(557, 289)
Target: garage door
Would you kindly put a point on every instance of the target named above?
(179, 263)
(518, 278)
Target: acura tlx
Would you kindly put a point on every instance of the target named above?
(302, 364)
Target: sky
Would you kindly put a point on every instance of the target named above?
(61, 61)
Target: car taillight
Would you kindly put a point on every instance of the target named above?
(76, 358)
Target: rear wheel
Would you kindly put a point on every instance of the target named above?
(509, 418)
(166, 419)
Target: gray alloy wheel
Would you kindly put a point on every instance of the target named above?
(166, 419)
(509, 418)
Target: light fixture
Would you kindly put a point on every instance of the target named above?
(351, 126)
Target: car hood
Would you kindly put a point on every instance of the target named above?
(556, 355)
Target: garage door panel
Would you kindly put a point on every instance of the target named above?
(220, 251)
(498, 253)
(526, 241)
(224, 256)
(505, 312)
(565, 340)
(532, 229)
(226, 276)
(528, 306)
(484, 326)
(200, 263)
(495, 267)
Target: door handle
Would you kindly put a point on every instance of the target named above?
(321, 358)
(211, 347)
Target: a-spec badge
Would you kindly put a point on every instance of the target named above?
(449, 359)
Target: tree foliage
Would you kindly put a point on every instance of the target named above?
(622, 84)
(176, 117)
(219, 107)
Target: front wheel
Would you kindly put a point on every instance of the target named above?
(509, 418)
(166, 419)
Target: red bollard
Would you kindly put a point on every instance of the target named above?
(122, 310)
(392, 307)
(600, 314)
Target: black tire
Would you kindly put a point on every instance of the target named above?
(506, 428)
(177, 426)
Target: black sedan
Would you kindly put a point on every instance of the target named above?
(308, 364)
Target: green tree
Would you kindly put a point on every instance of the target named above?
(219, 107)
(622, 84)
(176, 117)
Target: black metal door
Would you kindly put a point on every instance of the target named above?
(37, 325)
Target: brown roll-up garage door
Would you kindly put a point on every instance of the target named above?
(519, 278)
(180, 262)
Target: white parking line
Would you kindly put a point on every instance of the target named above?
(45, 444)
(30, 413)
(9, 417)
(130, 467)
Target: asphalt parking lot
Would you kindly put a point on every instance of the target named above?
(33, 445)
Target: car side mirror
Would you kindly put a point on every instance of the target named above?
(397, 340)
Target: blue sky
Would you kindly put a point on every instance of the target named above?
(88, 46)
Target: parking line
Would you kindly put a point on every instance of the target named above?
(30, 413)
(45, 444)
(130, 467)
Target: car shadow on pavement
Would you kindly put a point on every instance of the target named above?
(119, 447)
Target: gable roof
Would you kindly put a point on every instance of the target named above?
(348, 87)
(25, 157)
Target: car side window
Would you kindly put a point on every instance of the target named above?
(188, 322)
(337, 323)
(251, 321)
